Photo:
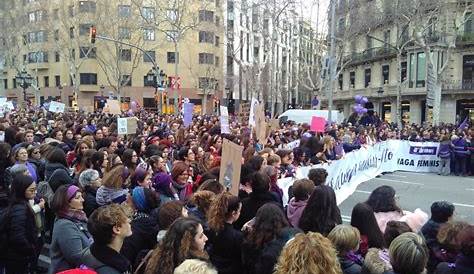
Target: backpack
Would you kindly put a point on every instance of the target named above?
(45, 191)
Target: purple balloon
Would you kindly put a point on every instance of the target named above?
(358, 98)
(134, 106)
(363, 110)
(364, 100)
(130, 113)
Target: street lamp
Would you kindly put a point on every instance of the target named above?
(157, 76)
(24, 80)
(380, 93)
(60, 88)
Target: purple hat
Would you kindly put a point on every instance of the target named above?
(71, 192)
(162, 183)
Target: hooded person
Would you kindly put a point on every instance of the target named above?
(162, 183)
(302, 189)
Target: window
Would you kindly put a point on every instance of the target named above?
(56, 35)
(216, 61)
(404, 71)
(468, 26)
(14, 83)
(172, 15)
(70, 11)
(206, 16)
(71, 32)
(46, 81)
(412, 70)
(256, 52)
(124, 11)
(217, 41)
(420, 69)
(340, 80)
(149, 56)
(386, 40)
(205, 82)
(148, 13)
(84, 29)
(368, 75)
(149, 34)
(171, 35)
(126, 80)
(5, 83)
(38, 57)
(87, 6)
(37, 37)
(352, 77)
(73, 54)
(88, 78)
(57, 57)
(57, 80)
(206, 58)
(124, 33)
(126, 54)
(147, 83)
(87, 52)
(218, 20)
(171, 57)
(368, 41)
(206, 37)
(385, 74)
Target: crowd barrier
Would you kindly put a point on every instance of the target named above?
(359, 166)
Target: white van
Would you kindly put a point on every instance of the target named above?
(301, 116)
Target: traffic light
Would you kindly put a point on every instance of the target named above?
(93, 32)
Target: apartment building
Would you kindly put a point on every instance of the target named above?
(50, 39)
(370, 67)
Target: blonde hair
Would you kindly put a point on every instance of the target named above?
(309, 253)
(344, 238)
(195, 266)
(408, 254)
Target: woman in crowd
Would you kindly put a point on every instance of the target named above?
(447, 238)
(130, 159)
(142, 176)
(99, 162)
(302, 190)
(363, 219)
(225, 241)
(345, 239)
(142, 202)
(113, 189)
(167, 214)
(180, 175)
(198, 206)
(56, 171)
(110, 226)
(21, 158)
(269, 222)
(286, 168)
(70, 234)
(318, 176)
(408, 254)
(206, 162)
(321, 213)
(36, 159)
(308, 253)
(163, 185)
(21, 247)
(275, 190)
(90, 182)
(195, 266)
(157, 165)
(113, 160)
(464, 262)
(185, 239)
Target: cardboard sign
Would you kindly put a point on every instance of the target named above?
(252, 115)
(225, 128)
(231, 163)
(127, 125)
(318, 124)
(260, 124)
(113, 106)
(187, 114)
(56, 107)
(244, 112)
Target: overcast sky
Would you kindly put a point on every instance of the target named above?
(312, 8)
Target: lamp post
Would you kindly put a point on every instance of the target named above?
(24, 80)
(380, 93)
(157, 76)
(60, 88)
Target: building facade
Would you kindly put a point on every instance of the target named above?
(369, 66)
(50, 39)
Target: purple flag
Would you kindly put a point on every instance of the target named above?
(188, 114)
(464, 124)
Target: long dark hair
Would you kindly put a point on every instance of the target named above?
(269, 222)
(382, 199)
(97, 160)
(127, 159)
(363, 219)
(321, 213)
(17, 196)
(57, 156)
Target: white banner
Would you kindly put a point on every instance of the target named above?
(368, 162)
(224, 120)
(56, 107)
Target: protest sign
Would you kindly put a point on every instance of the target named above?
(318, 124)
(253, 108)
(231, 163)
(260, 124)
(56, 107)
(244, 112)
(114, 106)
(224, 120)
(127, 125)
(187, 114)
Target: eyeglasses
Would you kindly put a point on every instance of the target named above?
(36, 152)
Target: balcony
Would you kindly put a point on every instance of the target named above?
(465, 39)
(458, 85)
(370, 55)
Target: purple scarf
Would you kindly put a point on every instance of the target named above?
(73, 215)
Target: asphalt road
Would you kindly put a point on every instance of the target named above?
(419, 190)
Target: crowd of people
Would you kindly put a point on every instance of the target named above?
(151, 202)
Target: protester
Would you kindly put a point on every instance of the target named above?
(345, 239)
(90, 181)
(198, 206)
(195, 266)
(363, 219)
(167, 214)
(302, 190)
(408, 254)
(112, 189)
(464, 262)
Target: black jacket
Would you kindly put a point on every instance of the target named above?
(463, 265)
(144, 231)
(22, 233)
(39, 168)
(61, 175)
(225, 250)
(349, 267)
(251, 204)
(105, 260)
(430, 232)
(90, 203)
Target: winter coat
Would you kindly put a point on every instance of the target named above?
(225, 249)
(70, 239)
(57, 175)
(414, 219)
(294, 211)
(349, 266)
(90, 203)
(144, 231)
(40, 166)
(463, 265)
(430, 232)
(444, 150)
(22, 233)
(106, 195)
(251, 204)
(105, 260)
(460, 148)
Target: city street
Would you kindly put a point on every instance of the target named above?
(419, 190)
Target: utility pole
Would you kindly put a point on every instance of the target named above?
(332, 60)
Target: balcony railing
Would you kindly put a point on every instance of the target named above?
(465, 39)
(369, 55)
(458, 85)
